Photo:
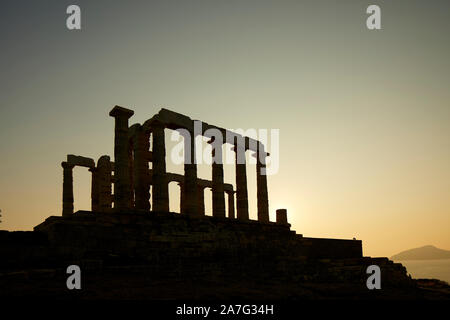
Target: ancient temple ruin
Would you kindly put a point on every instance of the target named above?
(130, 213)
(131, 235)
(128, 184)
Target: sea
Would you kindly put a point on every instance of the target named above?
(428, 269)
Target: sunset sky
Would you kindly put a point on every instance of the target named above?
(364, 116)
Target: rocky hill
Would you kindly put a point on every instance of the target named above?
(423, 253)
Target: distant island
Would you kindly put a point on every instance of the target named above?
(423, 253)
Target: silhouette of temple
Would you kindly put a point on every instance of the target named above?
(128, 194)
(131, 177)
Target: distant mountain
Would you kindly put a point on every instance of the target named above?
(422, 253)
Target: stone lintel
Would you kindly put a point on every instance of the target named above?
(80, 161)
(174, 120)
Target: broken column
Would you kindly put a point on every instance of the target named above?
(67, 189)
(160, 187)
(261, 184)
(122, 186)
(282, 216)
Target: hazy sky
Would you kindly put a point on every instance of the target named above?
(364, 116)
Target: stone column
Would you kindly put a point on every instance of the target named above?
(190, 177)
(67, 189)
(95, 191)
(218, 195)
(159, 178)
(141, 146)
(241, 183)
(231, 204)
(201, 200)
(122, 186)
(261, 184)
(104, 176)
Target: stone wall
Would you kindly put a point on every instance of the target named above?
(146, 236)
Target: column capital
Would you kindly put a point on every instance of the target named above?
(119, 111)
(67, 165)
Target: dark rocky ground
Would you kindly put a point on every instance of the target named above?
(169, 257)
(139, 283)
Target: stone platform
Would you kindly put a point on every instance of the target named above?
(150, 236)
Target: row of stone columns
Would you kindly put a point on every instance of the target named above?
(192, 198)
(191, 204)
